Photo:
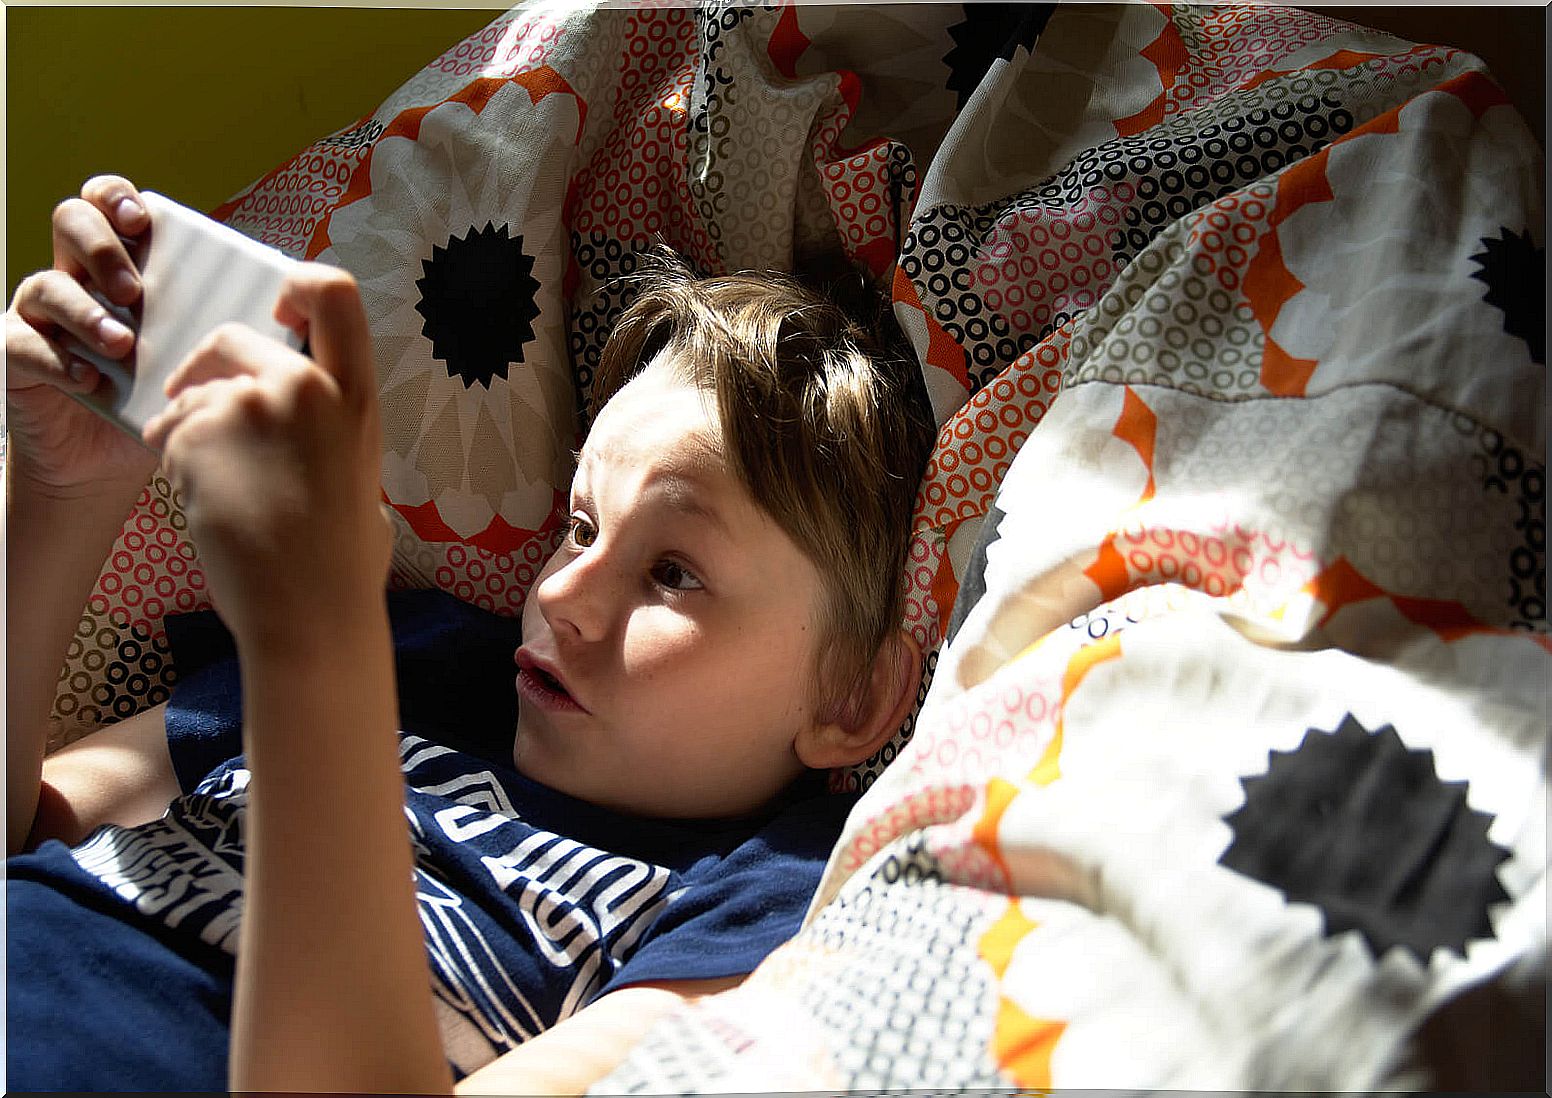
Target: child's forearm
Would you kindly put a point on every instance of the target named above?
(54, 551)
(333, 985)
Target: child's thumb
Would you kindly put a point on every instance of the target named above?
(323, 304)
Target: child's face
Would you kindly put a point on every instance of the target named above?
(678, 616)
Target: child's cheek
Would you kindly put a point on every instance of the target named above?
(656, 656)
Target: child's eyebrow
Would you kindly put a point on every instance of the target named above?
(681, 494)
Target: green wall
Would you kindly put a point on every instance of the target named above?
(196, 102)
(200, 101)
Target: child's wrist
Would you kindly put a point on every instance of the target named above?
(324, 631)
(109, 496)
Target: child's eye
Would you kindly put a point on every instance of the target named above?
(675, 576)
(580, 532)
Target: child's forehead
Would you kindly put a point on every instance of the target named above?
(660, 404)
(657, 419)
(667, 468)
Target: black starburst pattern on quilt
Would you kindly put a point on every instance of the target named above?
(990, 31)
(1515, 273)
(1360, 826)
(477, 296)
(972, 585)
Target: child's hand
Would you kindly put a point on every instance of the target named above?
(58, 445)
(277, 456)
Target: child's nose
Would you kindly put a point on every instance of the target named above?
(574, 596)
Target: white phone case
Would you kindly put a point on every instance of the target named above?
(196, 274)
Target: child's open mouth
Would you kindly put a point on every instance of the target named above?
(541, 686)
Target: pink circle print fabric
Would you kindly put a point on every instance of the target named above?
(1228, 565)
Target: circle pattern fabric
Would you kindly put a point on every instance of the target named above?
(547, 151)
(1128, 263)
(1190, 288)
(118, 662)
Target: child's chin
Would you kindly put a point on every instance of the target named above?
(532, 759)
(527, 756)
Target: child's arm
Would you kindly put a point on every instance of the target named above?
(277, 456)
(71, 477)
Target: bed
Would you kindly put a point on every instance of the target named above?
(1228, 766)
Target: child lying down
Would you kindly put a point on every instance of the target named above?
(340, 907)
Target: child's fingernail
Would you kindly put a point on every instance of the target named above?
(78, 370)
(125, 286)
(110, 330)
(129, 209)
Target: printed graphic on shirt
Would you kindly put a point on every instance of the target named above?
(523, 925)
(185, 868)
(575, 912)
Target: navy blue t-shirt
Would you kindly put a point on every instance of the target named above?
(120, 951)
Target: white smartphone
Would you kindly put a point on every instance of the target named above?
(196, 274)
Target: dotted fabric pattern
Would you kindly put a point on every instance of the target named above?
(118, 662)
(1191, 289)
(488, 209)
(1233, 548)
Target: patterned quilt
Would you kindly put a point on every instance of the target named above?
(1229, 765)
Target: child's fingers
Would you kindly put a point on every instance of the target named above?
(322, 303)
(186, 408)
(232, 350)
(86, 245)
(50, 302)
(120, 201)
(232, 364)
(31, 358)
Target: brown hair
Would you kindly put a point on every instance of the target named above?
(829, 434)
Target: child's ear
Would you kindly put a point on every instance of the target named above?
(859, 727)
